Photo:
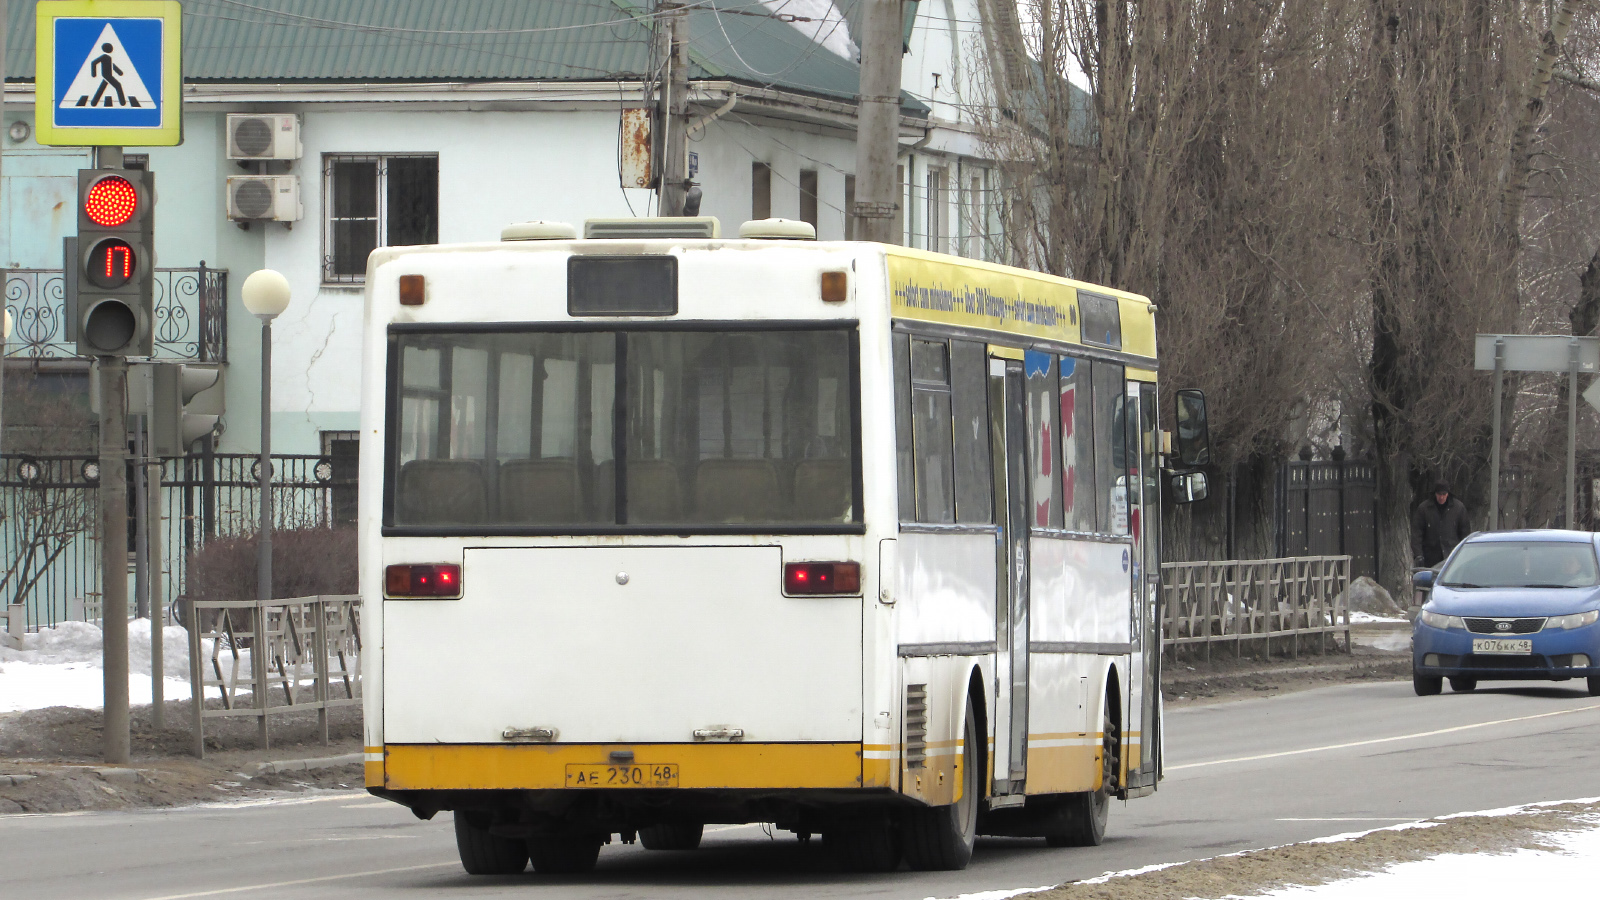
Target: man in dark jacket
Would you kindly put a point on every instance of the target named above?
(1437, 525)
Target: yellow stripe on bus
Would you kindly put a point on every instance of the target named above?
(544, 766)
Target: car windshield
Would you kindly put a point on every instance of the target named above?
(1551, 564)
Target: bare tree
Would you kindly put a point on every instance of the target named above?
(48, 508)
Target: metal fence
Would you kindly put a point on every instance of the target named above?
(50, 548)
(191, 314)
(306, 650)
(1256, 601)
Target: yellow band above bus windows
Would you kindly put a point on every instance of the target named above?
(931, 287)
(169, 133)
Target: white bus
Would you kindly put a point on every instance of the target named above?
(660, 529)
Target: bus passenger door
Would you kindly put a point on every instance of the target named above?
(1145, 518)
(1009, 435)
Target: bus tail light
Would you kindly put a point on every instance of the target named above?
(822, 578)
(441, 581)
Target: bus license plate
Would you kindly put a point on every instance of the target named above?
(658, 775)
(1502, 645)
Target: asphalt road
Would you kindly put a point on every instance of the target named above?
(1241, 775)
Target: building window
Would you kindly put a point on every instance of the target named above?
(937, 201)
(849, 207)
(375, 201)
(760, 191)
(808, 196)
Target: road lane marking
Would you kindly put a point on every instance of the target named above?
(282, 884)
(1357, 819)
(1384, 740)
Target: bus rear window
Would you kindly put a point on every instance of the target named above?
(727, 430)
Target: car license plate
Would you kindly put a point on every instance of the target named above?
(657, 775)
(1502, 645)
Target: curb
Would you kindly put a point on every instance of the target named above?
(306, 765)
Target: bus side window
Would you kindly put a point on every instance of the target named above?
(931, 431)
(1077, 446)
(904, 458)
(1109, 441)
(969, 381)
(1044, 429)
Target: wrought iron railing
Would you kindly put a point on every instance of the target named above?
(49, 545)
(191, 314)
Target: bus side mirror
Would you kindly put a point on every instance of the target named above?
(1189, 487)
(1194, 431)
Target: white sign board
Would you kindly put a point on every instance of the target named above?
(1537, 352)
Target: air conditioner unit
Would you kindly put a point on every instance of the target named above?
(264, 136)
(269, 198)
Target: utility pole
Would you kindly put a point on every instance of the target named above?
(117, 737)
(877, 204)
(673, 108)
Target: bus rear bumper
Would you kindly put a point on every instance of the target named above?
(587, 768)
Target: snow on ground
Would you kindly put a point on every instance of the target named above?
(1366, 618)
(60, 666)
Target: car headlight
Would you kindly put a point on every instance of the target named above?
(1434, 620)
(1576, 620)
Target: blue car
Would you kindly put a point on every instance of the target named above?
(1510, 606)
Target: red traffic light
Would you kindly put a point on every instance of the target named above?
(111, 201)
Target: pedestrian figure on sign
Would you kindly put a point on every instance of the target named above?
(1437, 525)
(108, 72)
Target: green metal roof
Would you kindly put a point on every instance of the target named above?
(250, 41)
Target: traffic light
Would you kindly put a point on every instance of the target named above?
(181, 415)
(115, 262)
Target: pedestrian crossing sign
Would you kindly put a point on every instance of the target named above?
(109, 73)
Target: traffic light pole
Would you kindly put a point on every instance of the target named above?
(114, 555)
(117, 736)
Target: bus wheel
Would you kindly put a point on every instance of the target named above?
(564, 855)
(867, 844)
(1082, 819)
(672, 836)
(941, 837)
(483, 853)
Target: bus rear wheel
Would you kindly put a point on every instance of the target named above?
(940, 838)
(564, 855)
(483, 853)
(672, 836)
(1082, 820)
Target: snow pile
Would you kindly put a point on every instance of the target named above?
(61, 666)
(827, 26)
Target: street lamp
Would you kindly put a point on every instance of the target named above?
(266, 295)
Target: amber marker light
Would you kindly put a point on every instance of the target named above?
(835, 287)
(413, 290)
